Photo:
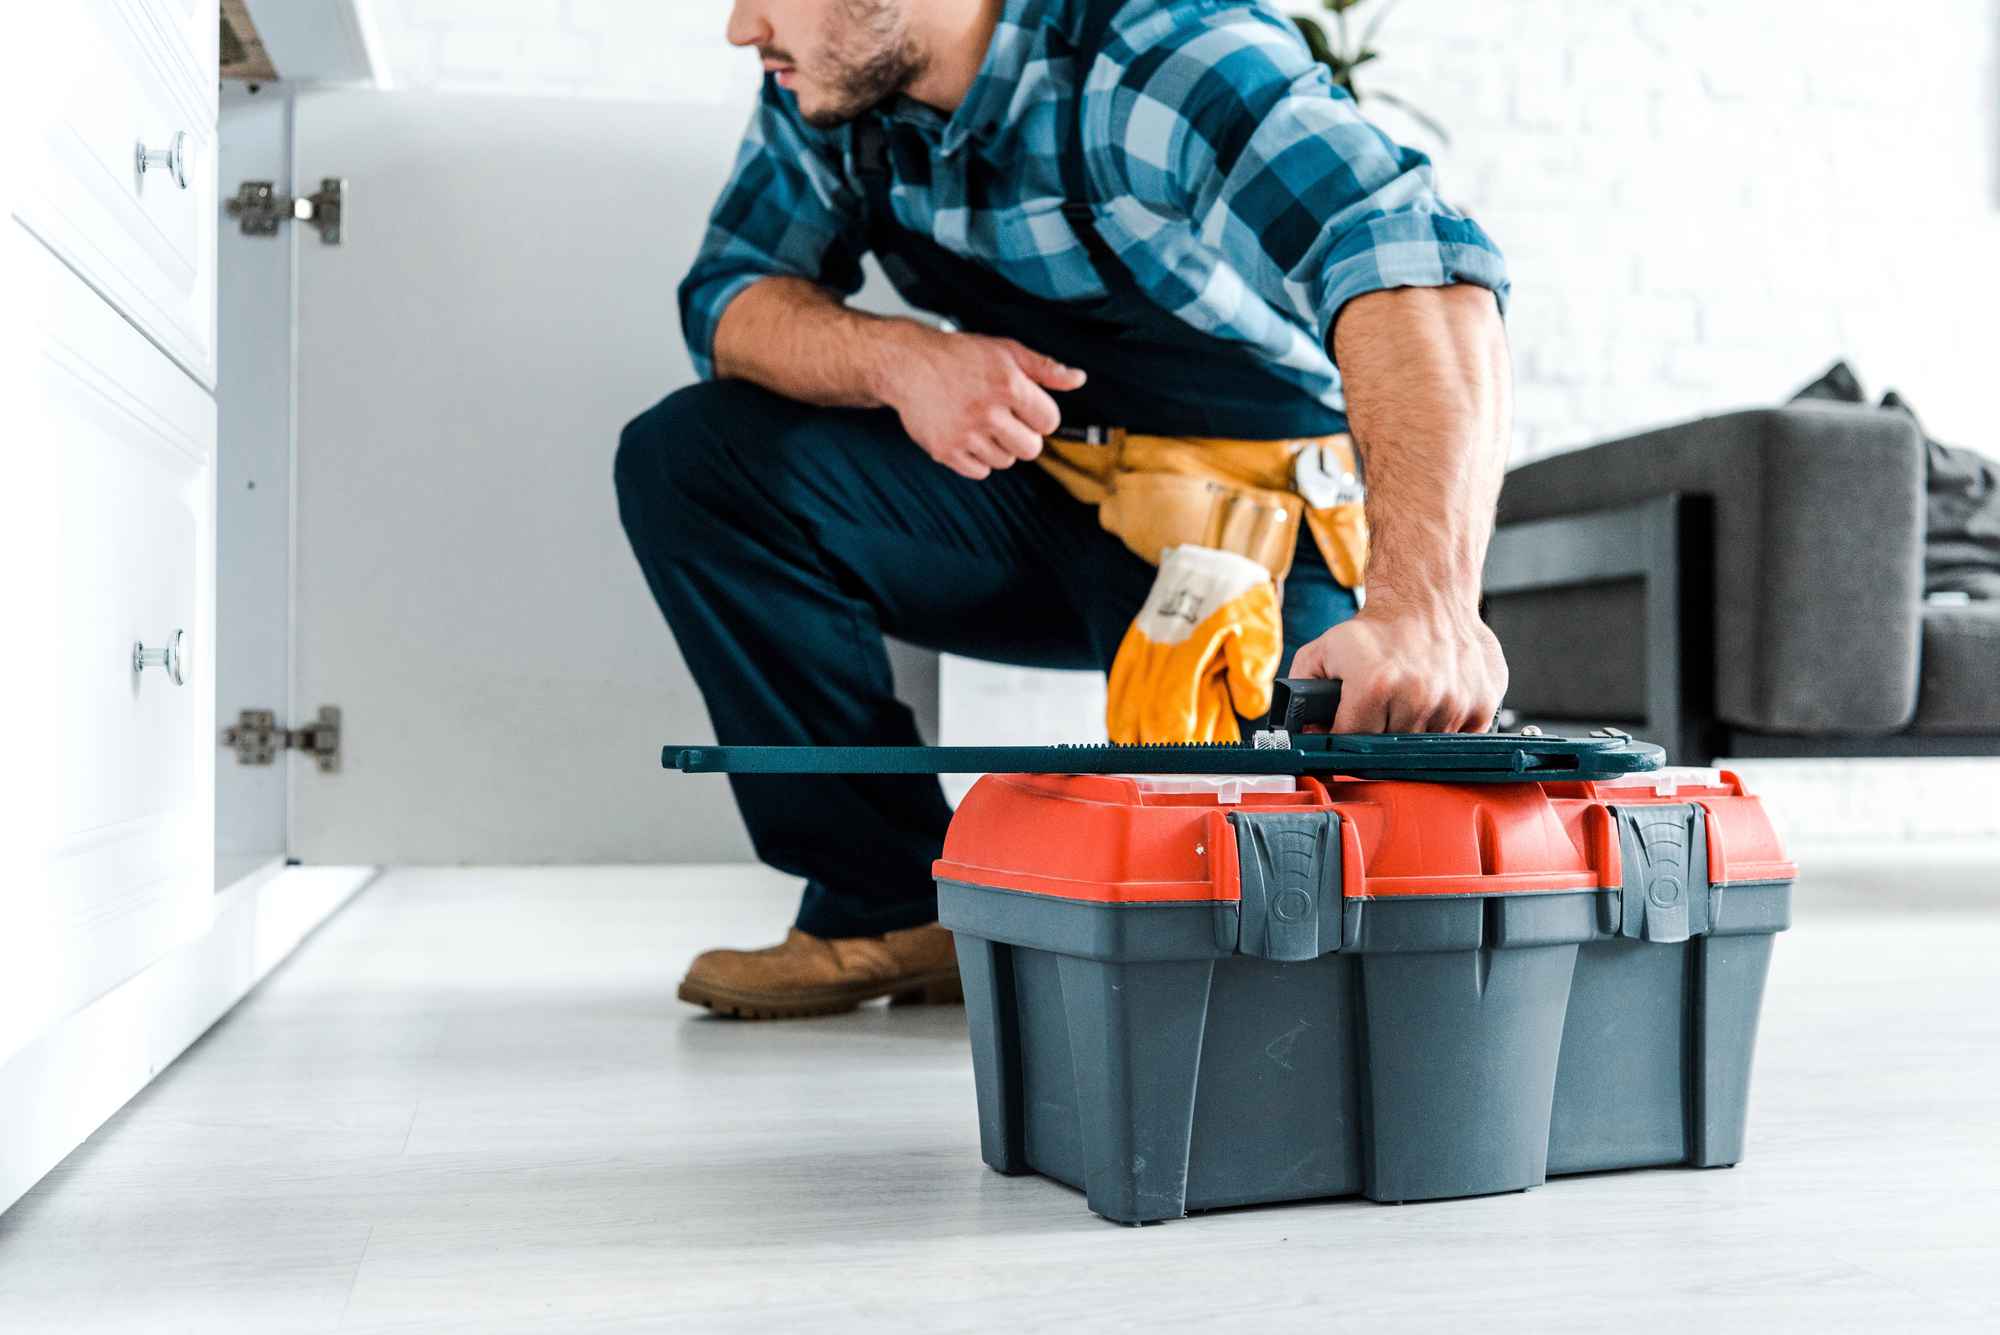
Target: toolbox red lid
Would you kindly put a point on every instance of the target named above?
(1117, 839)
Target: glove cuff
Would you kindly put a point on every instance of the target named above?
(1193, 582)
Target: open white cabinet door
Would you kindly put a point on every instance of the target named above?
(255, 312)
(501, 302)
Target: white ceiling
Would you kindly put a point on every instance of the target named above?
(649, 50)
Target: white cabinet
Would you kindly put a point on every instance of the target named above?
(110, 444)
(116, 947)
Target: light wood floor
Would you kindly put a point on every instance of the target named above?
(471, 1104)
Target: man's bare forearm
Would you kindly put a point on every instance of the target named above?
(971, 402)
(795, 338)
(1429, 399)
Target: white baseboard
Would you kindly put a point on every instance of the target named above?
(68, 1082)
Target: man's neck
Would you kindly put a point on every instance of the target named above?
(955, 34)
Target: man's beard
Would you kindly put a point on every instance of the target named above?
(873, 57)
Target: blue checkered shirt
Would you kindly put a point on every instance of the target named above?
(1245, 192)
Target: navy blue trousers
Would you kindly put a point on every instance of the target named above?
(783, 540)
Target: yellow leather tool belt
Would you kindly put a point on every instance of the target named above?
(1242, 496)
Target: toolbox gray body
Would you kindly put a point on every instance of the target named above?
(1167, 1057)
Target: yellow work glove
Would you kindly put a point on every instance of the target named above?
(1202, 650)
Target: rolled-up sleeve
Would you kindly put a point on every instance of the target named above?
(787, 210)
(1232, 126)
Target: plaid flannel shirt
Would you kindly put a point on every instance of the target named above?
(1245, 192)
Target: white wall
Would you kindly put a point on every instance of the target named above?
(1705, 203)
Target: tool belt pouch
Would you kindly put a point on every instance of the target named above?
(1151, 512)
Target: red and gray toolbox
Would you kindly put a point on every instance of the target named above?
(1189, 992)
(1408, 966)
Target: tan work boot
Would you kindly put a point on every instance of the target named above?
(810, 975)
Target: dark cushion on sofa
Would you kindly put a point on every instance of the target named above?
(1962, 525)
(1961, 669)
(1962, 487)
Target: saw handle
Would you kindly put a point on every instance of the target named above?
(1301, 704)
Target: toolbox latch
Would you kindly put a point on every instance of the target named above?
(1288, 863)
(1664, 850)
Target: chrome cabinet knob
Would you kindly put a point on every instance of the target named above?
(170, 656)
(174, 158)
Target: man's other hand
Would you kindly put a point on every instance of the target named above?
(1429, 669)
(975, 404)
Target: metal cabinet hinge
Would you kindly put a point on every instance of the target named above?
(257, 737)
(259, 207)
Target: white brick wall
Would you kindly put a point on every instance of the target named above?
(1703, 204)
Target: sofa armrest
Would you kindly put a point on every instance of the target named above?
(1816, 560)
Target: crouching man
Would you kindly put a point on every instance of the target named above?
(1179, 270)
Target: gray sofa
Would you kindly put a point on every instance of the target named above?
(1744, 585)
